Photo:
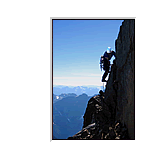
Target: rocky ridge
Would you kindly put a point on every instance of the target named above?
(111, 114)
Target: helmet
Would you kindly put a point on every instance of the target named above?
(109, 50)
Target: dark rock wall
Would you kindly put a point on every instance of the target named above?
(120, 89)
(97, 111)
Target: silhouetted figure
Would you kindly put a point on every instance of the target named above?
(105, 62)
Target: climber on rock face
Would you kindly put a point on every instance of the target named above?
(105, 62)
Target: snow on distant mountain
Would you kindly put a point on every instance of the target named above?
(63, 95)
(78, 90)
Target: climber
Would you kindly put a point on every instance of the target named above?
(105, 62)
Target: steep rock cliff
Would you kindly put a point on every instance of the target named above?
(120, 89)
(111, 114)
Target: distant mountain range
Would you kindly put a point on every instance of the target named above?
(78, 90)
(68, 111)
(63, 95)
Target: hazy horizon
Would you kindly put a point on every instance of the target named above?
(78, 85)
(89, 90)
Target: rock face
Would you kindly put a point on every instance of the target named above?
(111, 114)
(120, 89)
(97, 111)
(93, 132)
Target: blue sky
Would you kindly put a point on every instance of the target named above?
(77, 47)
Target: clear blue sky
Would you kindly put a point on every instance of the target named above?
(77, 47)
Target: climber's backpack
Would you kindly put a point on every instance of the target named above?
(101, 62)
